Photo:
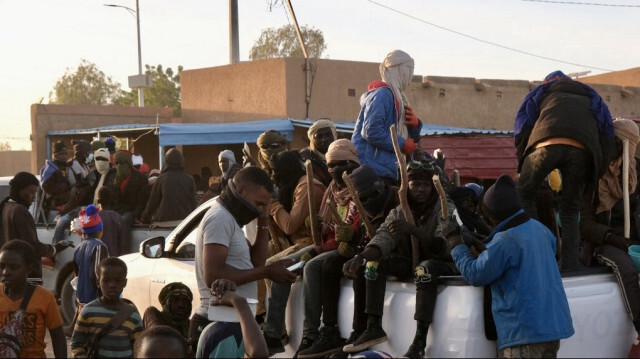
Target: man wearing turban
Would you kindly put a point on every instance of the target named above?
(320, 134)
(175, 299)
(385, 104)
(602, 240)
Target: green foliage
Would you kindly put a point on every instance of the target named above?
(164, 91)
(283, 42)
(87, 85)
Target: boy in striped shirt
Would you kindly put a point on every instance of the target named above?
(117, 343)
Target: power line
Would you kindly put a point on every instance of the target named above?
(582, 3)
(485, 41)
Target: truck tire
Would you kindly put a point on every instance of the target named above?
(67, 299)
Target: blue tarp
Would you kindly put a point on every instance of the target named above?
(173, 134)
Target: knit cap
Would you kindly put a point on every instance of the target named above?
(501, 197)
(365, 179)
(90, 221)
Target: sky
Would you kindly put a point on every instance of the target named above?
(490, 39)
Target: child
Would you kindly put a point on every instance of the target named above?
(230, 339)
(86, 258)
(91, 336)
(161, 341)
(115, 233)
(27, 326)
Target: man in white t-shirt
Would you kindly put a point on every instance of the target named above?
(223, 251)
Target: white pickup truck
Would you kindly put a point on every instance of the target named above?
(602, 326)
(159, 256)
(58, 279)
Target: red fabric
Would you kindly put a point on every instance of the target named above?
(123, 184)
(144, 168)
(330, 242)
(378, 84)
(409, 146)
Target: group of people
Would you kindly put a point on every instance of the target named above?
(364, 208)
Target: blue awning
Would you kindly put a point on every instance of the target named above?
(173, 134)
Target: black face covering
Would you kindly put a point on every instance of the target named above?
(375, 205)
(337, 171)
(243, 211)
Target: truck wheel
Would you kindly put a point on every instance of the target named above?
(68, 299)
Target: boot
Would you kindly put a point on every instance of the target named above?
(328, 342)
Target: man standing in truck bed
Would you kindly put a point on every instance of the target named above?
(562, 124)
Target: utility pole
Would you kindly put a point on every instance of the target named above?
(234, 42)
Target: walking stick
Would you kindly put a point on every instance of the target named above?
(456, 178)
(625, 188)
(402, 195)
(334, 212)
(313, 213)
(443, 197)
(356, 200)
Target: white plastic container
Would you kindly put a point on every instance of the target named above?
(222, 313)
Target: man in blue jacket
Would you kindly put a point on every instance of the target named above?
(529, 304)
(385, 104)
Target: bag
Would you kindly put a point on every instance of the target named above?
(11, 333)
(114, 323)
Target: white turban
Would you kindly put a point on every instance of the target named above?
(228, 154)
(397, 70)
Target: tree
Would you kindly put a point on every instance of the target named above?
(87, 85)
(5, 146)
(164, 91)
(283, 42)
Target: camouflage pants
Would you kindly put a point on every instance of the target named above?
(535, 350)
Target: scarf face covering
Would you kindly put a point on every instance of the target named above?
(102, 166)
(123, 171)
(376, 204)
(337, 171)
(397, 70)
(243, 211)
(167, 294)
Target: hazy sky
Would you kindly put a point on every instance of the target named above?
(40, 39)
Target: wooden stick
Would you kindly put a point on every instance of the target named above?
(456, 178)
(313, 213)
(625, 188)
(402, 195)
(443, 197)
(334, 212)
(363, 214)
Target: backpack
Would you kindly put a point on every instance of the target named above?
(11, 333)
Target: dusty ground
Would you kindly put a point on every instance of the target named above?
(48, 351)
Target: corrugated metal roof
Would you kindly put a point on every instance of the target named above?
(113, 128)
(427, 129)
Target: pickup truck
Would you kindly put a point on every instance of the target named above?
(58, 279)
(602, 326)
(160, 256)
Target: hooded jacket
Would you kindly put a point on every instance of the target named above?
(173, 196)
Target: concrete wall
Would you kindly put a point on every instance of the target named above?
(12, 162)
(45, 118)
(630, 78)
(275, 88)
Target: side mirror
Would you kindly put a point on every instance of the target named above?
(152, 247)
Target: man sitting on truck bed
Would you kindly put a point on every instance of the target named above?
(391, 249)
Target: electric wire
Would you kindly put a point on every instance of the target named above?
(486, 41)
(582, 3)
